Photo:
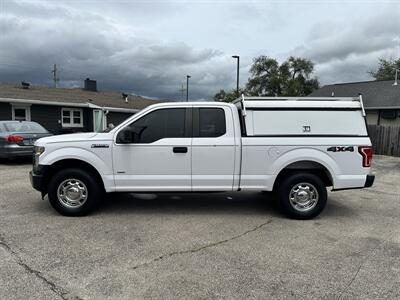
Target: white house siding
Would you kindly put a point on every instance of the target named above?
(372, 117)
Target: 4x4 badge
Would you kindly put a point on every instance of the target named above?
(341, 149)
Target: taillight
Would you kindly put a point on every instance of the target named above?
(14, 139)
(366, 153)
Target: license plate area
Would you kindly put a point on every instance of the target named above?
(29, 142)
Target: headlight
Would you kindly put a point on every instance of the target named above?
(37, 150)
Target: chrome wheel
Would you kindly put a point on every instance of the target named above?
(303, 197)
(72, 193)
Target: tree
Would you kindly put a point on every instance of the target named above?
(386, 69)
(291, 78)
(223, 96)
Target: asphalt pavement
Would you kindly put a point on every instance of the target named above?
(200, 246)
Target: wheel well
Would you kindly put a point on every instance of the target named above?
(306, 166)
(67, 164)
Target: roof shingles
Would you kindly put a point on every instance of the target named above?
(75, 95)
(376, 94)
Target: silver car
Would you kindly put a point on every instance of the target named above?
(17, 138)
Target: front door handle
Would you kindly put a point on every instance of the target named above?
(180, 149)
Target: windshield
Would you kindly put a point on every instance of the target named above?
(24, 127)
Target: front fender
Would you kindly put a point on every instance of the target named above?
(96, 161)
(79, 154)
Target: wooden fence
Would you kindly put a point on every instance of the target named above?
(385, 139)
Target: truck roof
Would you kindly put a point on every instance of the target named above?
(190, 103)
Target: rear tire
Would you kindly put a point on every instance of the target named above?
(74, 192)
(301, 195)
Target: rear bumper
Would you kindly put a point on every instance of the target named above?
(16, 151)
(369, 181)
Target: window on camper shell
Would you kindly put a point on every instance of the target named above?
(72, 117)
(305, 122)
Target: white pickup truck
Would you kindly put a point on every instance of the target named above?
(295, 147)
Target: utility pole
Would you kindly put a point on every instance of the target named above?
(396, 66)
(55, 78)
(397, 39)
(187, 87)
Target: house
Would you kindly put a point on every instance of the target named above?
(62, 110)
(381, 98)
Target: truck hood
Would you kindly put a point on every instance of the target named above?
(62, 138)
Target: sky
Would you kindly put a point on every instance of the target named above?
(148, 47)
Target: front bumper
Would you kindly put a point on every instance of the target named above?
(36, 176)
(36, 181)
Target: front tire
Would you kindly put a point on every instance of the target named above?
(74, 192)
(302, 195)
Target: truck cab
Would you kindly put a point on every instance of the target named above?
(294, 146)
(180, 147)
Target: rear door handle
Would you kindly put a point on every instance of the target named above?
(180, 149)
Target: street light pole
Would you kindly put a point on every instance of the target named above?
(237, 74)
(187, 87)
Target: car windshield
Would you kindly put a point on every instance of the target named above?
(28, 127)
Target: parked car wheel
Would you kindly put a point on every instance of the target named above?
(74, 192)
(302, 195)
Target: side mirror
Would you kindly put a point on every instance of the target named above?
(125, 136)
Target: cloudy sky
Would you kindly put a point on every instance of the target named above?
(148, 47)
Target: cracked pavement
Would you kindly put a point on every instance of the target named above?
(167, 246)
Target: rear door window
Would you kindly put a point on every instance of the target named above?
(211, 122)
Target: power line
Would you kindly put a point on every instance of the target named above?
(182, 90)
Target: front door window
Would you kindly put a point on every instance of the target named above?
(157, 125)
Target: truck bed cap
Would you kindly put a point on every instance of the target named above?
(300, 102)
